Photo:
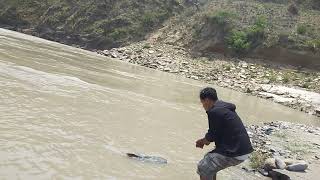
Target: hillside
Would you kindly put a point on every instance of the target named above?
(281, 31)
(91, 24)
(253, 28)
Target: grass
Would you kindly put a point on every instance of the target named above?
(315, 43)
(298, 148)
(281, 135)
(257, 159)
(288, 77)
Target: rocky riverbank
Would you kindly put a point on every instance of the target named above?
(298, 89)
(285, 150)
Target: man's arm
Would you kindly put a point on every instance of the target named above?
(210, 135)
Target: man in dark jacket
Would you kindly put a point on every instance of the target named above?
(226, 129)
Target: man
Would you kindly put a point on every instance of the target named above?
(232, 142)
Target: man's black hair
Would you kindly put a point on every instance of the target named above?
(209, 93)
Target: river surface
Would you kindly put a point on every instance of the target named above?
(68, 113)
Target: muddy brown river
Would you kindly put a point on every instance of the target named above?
(68, 113)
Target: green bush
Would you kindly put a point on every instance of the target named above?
(242, 41)
(257, 159)
(258, 27)
(286, 77)
(238, 41)
(301, 29)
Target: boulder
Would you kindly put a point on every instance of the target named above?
(280, 163)
(298, 167)
(277, 174)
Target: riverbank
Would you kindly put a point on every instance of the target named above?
(279, 146)
(295, 88)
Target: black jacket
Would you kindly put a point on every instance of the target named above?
(227, 131)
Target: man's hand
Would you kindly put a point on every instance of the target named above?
(201, 142)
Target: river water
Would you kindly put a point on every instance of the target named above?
(67, 113)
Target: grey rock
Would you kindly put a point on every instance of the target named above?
(288, 161)
(298, 167)
(263, 172)
(277, 174)
(280, 163)
(194, 77)
(113, 55)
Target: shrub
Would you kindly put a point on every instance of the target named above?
(301, 29)
(286, 77)
(241, 41)
(256, 31)
(257, 159)
(238, 41)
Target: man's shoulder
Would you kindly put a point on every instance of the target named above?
(215, 111)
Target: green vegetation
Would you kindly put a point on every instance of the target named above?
(238, 41)
(257, 159)
(301, 29)
(314, 44)
(286, 77)
(298, 147)
(242, 40)
(282, 135)
(272, 78)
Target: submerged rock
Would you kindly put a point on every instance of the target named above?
(151, 159)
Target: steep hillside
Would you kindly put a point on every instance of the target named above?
(253, 28)
(92, 24)
(282, 31)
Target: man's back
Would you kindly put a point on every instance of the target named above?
(227, 130)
